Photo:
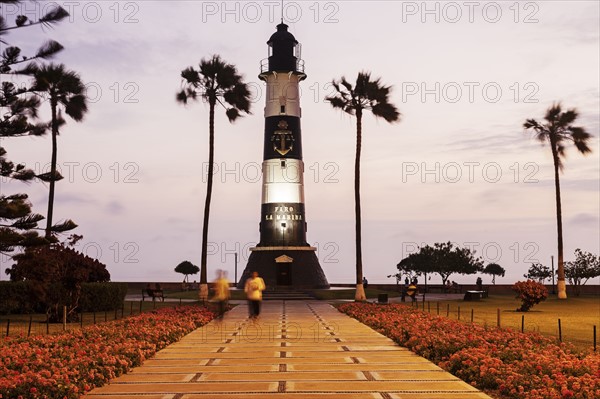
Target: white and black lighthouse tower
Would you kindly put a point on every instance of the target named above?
(283, 257)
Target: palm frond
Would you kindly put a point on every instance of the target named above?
(191, 76)
(28, 222)
(23, 175)
(347, 85)
(580, 138)
(53, 16)
(76, 107)
(232, 114)
(567, 117)
(531, 124)
(49, 49)
(64, 226)
(30, 69)
(386, 111)
(238, 96)
(48, 176)
(181, 96)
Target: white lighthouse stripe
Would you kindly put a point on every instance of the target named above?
(282, 95)
(282, 193)
(283, 181)
(283, 170)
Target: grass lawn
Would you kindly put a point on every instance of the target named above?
(578, 315)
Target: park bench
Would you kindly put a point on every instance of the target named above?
(475, 295)
(153, 293)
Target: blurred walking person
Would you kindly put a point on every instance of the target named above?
(221, 292)
(253, 288)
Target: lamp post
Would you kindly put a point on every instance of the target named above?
(283, 227)
(236, 261)
(552, 259)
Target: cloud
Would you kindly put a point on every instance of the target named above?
(73, 198)
(585, 219)
(115, 208)
(492, 143)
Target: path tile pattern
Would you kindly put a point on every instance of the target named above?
(299, 350)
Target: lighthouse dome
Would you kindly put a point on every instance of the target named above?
(282, 36)
(284, 52)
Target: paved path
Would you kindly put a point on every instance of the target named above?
(301, 350)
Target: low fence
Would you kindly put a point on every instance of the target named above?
(37, 324)
(498, 289)
(586, 337)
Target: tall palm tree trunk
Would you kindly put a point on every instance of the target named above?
(561, 284)
(360, 290)
(53, 105)
(203, 294)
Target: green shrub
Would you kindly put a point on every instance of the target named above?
(15, 297)
(96, 297)
(530, 293)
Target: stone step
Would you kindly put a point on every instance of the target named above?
(286, 295)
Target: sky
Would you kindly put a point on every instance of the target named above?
(458, 167)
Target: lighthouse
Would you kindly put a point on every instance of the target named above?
(283, 257)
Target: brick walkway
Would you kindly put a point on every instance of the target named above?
(301, 350)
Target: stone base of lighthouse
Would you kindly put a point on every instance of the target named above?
(285, 267)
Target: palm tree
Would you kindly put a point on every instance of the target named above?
(216, 82)
(558, 131)
(65, 91)
(370, 95)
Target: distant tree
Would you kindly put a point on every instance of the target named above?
(215, 82)
(403, 274)
(65, 91)
(409, 267)
(366, 95)
(558, 131)
(495, 270)
(585, 266)
(538, 272)
(57, 272)
(443, 259)
(186, 268)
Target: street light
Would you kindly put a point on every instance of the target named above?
(283, 226)
(552, 258)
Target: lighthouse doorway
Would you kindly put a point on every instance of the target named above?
(284, 274)
(283, 266)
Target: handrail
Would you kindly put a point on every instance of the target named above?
(264, 65)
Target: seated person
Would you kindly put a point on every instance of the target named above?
(455, 286)
(412, 291)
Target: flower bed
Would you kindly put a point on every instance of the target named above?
(502, 362)
(69, 364)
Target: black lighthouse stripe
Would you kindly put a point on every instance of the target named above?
(282, 137)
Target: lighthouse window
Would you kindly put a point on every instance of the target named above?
(283, 163)
(282, 109)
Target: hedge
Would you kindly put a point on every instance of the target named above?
(96, 297)
(18, 297)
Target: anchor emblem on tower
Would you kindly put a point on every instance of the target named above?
(283, 140)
